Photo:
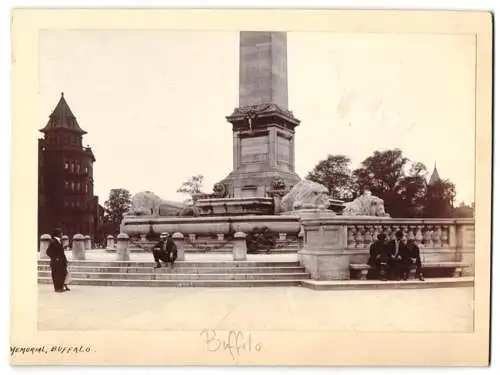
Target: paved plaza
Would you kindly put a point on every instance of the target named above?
(275, 308)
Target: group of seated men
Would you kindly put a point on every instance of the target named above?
(393, 259)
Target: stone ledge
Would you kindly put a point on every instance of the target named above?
(375, 284)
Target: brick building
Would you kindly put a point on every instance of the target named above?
(65, 177)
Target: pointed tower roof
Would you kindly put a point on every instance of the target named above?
(62, 118)
(435, 176)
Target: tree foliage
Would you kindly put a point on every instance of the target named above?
(397, 180)
(116, 206)
(439, 199)
(463, 210)
(388, 174)
(334, 173)
(192, 186)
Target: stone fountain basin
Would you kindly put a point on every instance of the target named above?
(137, 225)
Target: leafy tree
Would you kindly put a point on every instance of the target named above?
(394, 178)
(192, 186)
(411, 192)
(463, 210)
(116, 206)
(439, 199)
(334, 173)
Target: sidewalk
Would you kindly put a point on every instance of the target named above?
(275, 308)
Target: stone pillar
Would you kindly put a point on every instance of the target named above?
(78, 248)
(273, 146)
(179, 242)
(236, 150)
(87, 242)
(220, 237)
(122, 251)
(44, 244)
(465, 232)
(65, 242)
(192, 238)
(239, 246)
(300, 237)
(277, 203)
(110, 242)
(282, 236)
(325, 255)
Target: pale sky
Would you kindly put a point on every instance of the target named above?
(154, 102)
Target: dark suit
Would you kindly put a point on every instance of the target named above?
(378, 260)
(171, 248)
(411, 257)
(159, 252)
(58, 263)
(397, 250)
(165, 251)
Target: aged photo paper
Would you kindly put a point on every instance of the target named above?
(136, 101)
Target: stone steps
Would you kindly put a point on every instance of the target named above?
(184, 274)
(179, 270)
(179, 283)
(184, 264)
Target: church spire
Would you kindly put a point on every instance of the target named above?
(62, 118)
(435, 176)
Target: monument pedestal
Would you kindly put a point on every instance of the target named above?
(324, 255)
(326, 265)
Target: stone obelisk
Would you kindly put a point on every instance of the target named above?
(263, 127)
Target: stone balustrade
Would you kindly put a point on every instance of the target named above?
(329, 239)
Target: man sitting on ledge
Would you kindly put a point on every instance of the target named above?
(411, 258)
(165, 250)
(379, 258)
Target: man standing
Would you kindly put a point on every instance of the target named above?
(58, 262)
(411, 258)
(378, 260)
(397, 249)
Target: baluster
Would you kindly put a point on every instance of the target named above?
(427, 236)
(411, 232)
(351, 243)
(376, 231)
(436, 236)
(418, 235)
(444, 236)
(368, 235)
(359, 236)
(404, 229)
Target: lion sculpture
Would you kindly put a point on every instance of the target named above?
(306, 194)
(365, 205)
(147, 203)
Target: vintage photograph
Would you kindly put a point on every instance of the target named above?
(243, 181)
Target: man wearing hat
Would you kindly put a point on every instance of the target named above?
(397, 251)
(165, 250)
(58, 262)
(378, 260)
(159, 251)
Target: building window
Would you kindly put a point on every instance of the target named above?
(86, 170)
(65, 204)
(72, 167)
(66, 185)
(78, 167)
(72, 186)
(78, 187)
(66, 165)
(86, 188)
